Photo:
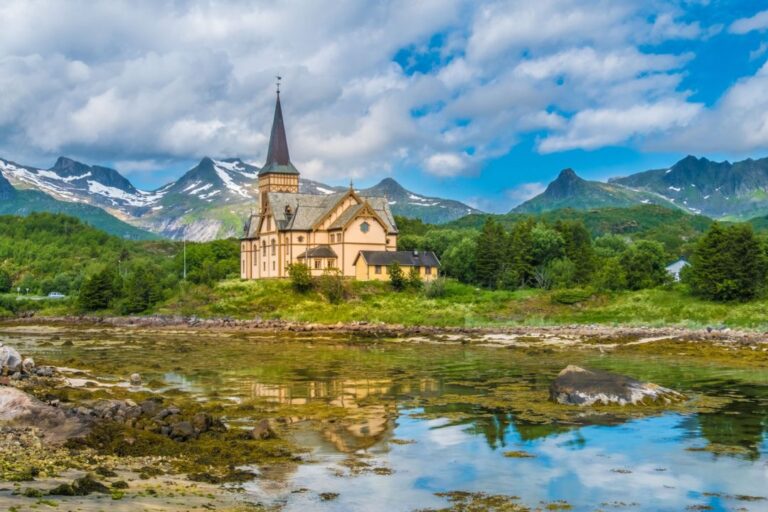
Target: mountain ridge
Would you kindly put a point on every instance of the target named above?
(208, 201)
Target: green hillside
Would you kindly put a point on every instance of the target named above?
(24, 202)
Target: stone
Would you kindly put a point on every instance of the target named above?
(579, 386)
(262, 430)
(28, 366)
(135, 379)
(10, 359)
(26, 411)
(182, 431)
(202, 422)
(151, 406)
(44, 371)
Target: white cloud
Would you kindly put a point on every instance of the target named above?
(160, 82)
(447, 164)
(590, 129)
(525, 191)
(744, 25)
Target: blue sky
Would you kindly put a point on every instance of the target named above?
(480, 101)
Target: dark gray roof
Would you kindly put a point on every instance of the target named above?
(404, 258)
(321, 251)
(278, 160)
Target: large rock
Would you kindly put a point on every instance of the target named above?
(10, 359)
(578, 386)
(20, 409)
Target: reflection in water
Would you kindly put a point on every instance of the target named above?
(419, 419)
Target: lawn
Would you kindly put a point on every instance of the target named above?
(463, 305)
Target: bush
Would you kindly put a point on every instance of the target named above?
(414, 279)
(331, 285)
(728, 264)
(396, 277)
(301, 277)
(435, 289)
(570, 297)
(611, 276)
(5, 281)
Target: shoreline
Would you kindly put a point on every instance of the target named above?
(381, 330)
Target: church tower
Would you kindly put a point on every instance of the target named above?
(278, 173)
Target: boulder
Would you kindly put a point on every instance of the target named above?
(10, 359)
(20, 409)
(28, 366)
(135, 379)
(579, 386)
(262, 430)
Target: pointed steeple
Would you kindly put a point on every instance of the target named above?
(278, 160)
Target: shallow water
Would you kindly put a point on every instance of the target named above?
(389, 424)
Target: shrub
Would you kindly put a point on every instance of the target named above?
(301, 277)
(396, 277)
(569, 297)
(414, 279)
(435, 289)
(331, 285)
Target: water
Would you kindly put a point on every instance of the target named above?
(388, 426)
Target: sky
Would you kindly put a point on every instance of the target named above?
(485, 102)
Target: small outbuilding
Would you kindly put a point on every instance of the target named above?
(373, 265)
(675, 268)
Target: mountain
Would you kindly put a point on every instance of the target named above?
(568, 190)
(408, 204)
(717, 189)
(7, 192)
(209, 201)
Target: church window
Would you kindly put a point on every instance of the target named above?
(365, 227)
(318, 263)
(273, 265)
(264, 248)
(301, 239)
(273, 247)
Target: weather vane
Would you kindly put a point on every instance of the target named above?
(278, 83)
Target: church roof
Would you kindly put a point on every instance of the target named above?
(278, 159)
(321, 251)
(306, 209)
(404, 258)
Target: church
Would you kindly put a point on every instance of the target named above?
(342, 231)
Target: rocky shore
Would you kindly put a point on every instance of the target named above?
(380, 330)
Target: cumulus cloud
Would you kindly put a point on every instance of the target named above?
(744, 25)
(147, 81)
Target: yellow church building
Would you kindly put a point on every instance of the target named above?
(321, 231)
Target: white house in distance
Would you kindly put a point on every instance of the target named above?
(675, 268)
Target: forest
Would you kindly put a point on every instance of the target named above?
(579, 254)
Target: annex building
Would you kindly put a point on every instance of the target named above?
(324, 232)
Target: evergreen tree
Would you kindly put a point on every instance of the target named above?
(728, 264)
(519, 256)
(578, 248)
(396, 277)
(490, 254)
(141, 290)
(98, 290)
(5, 281)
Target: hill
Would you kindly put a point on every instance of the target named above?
(568, 190)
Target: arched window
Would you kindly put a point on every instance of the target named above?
(264, 248)
(273, 247)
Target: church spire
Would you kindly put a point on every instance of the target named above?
(278, 160)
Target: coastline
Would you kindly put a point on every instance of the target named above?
(383, 330)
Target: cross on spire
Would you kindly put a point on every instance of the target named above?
(278, 83)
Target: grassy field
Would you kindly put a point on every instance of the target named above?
(463, 305)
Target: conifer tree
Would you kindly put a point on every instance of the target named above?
(98, 290)
(396, 277)
(578, 248)
(490, 254)
(728, 264)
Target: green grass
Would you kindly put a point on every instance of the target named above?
(464, 305)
